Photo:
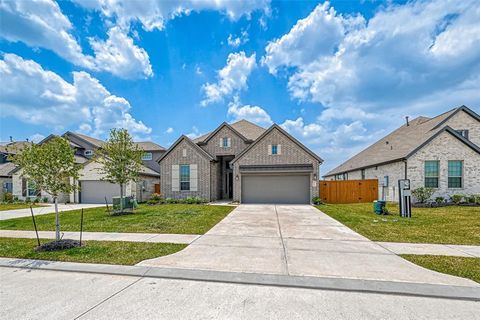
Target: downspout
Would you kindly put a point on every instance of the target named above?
(405, 162)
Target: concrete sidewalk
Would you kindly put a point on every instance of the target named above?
(49, 208)
(106, 236)
(296, 240)
(432, 249)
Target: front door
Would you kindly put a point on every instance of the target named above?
(230, 185)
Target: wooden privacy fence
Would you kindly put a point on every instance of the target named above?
(349, 191)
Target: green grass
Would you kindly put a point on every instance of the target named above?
(13, 206)
(107, 252)
(457, 266)
(168, 218)
(446, 225)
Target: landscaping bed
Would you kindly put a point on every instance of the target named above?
(444, 225)
(458, 266)
(107, 252)
(166, 218)
(18, 205)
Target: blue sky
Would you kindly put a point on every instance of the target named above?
(337, 75)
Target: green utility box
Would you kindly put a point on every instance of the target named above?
(379, 207)
(128, 203)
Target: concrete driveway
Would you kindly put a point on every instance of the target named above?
(48, 208)
(296, 240)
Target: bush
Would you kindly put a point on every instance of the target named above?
(152, 202)
(317, 200)
(422, 194)
(440, 200)
(156, 197)
(8, 197)
(45, 199)
(28, 200)
(471, 198)
(457, 198)
(477, 198)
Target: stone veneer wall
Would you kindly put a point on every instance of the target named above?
(213, 145)
(291, 153)
(175, 157)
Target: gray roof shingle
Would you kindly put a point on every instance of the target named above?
(246, 128)
(6, 169)
(398, 144)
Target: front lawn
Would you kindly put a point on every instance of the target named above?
(457, 266)
(446, 225)
(167, 218)
(13, 206)
(108, 252)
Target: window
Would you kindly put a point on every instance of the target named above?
(88, 153)
(7, 187)
(31, 189)
(225, 142)
(185, 177)
(184, 153)
(463, 133)
(455, 174)
(431, 169)
(274, 149)
(147, 156)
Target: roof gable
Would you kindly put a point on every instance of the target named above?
(189, 141)
(286, 134)
(245, 129)
(220, 127)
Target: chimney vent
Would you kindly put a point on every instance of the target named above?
(408, 123)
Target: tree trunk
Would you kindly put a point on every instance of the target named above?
(121, 197)
(57, 220)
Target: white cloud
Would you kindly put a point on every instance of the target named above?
(120, 56)
(169, 130)
(319, 34)
(255, 114)
(34, 95)
(154, 14)
(42, 24)
(231, 78)
(235, 42)
(386, 64)
(194, 134)
(36, 138)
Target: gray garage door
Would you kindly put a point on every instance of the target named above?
(96, 191)
(276, 189)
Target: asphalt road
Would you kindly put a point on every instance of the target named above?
(42, 294)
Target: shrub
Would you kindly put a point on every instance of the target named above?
(471, 198)
(45, 199)
(8, 197)
(439, 200)
(156, 196)
(422, 194)
(28, 200)
(317, 200)
(152, 202)
(477, 198)
(457, 198)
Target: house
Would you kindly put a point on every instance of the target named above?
(92, 187)
(242, 162)
(441, 153)
(7, 167)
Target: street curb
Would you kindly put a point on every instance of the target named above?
(306, 282)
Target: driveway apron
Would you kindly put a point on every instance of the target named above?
(296, 240)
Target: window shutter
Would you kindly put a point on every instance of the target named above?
(193, 177)
(24, 187)
(229, 142)
(175, 177)
(279, 149)
(269, 149)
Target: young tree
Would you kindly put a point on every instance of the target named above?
(121, 159)
(51, 167)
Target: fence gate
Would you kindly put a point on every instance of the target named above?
(349, 191)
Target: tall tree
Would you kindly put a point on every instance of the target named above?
(51, 167)
(121, 159)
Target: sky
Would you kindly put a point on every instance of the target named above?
(337, 75)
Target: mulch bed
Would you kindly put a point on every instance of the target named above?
(58, 245)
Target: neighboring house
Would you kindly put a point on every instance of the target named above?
(6, 167)
(441, 152)
(92, 186)
(241, 162)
